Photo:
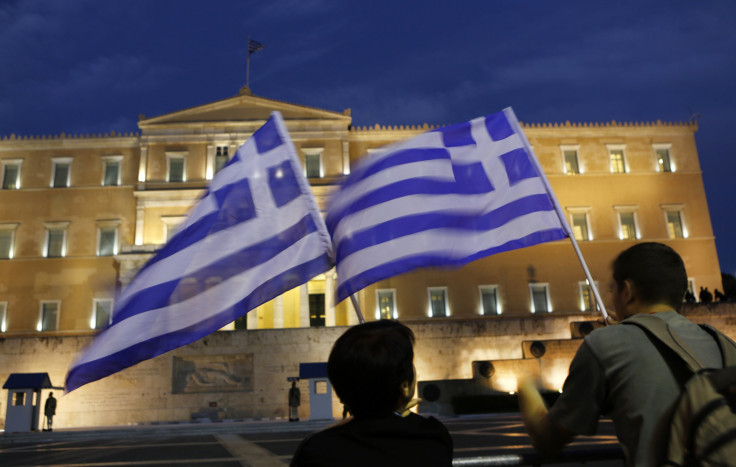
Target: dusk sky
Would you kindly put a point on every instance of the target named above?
(91, 66)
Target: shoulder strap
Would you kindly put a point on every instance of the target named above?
(658, 329)
(727, 346)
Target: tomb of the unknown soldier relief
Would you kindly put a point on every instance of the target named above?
(80, 214)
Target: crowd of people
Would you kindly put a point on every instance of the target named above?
(619, 371)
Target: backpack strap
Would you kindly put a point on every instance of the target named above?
(727, 346)
(658, 330)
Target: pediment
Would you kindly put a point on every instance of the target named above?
(243, 108)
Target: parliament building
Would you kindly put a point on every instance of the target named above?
(80, 213)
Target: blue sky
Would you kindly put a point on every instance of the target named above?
(88, 66)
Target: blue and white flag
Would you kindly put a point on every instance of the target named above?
(443, 198)
(256, 233)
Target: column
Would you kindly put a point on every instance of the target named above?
(209, 170)
(278, 312)
(252, 318)
(139, 213)
(330, 298)
(142, 164)
(303, 306)
(345, 157)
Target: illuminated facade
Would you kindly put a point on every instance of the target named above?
(79, 214)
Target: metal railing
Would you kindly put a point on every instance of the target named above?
(581, 456)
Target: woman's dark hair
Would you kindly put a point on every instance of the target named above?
(367, 365)
(656, 270)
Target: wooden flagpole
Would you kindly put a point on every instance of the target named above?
(561, 215)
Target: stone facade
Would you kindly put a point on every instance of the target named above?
(151, 391)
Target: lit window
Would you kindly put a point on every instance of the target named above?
(628, 225)
(618, 162)
(221, 158)
(102, 313)
(7, 240)
(176, 167)
(107, 240)
(111, 170)
(587, 297)
(489, 300)
(570, 159)
(386, 300)
(11, 174)
(61, 174)
(55, 239)
(437, 302)
(580, 226)
(540, 298)
(48, 319)
(3, 316)
(674, 224)
(313, 163)
(664, 161)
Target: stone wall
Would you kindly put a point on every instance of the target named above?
(243, 374)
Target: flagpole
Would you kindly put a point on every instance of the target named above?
(247, 65)
(563, 220)
(357, 309)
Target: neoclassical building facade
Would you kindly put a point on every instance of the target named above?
(80, 213)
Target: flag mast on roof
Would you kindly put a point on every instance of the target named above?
(253, 47)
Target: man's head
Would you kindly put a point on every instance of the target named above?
(371, 367)
(650, 274)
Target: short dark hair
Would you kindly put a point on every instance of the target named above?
(656, 270)
(368, 364)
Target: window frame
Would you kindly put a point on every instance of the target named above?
(41, 321)
(394, 314)
(576, 211)
(56, 162)
(481, 306)
(314, 152)
(532, 285)
(55, 226)
(571, 148)
(659, 166)
(581, 295)
(627, 209)
(624, 166)
(680, 210)
(171, 225)
(430, 311)
(9, 227)
(106, 225)
(109, 160)
(178, 156)
(93, 320)
(5, 164)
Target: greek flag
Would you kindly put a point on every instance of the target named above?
(443, 198)
(255, 234)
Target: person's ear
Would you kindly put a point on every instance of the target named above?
(629, 293)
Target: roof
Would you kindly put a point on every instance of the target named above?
(28, 381)
(312, 370)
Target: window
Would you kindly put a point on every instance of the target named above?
(19, 399)
(55, 239)
(664, 161)
(3, 316)
(61, 173)
(111, 170)
(171, 224)
(7, 237)
(176, 167)
(587, 297)
(49, 316)
(540, 298)
(316, 309)
(107, 239)
(101, 313)
(618, 162)
(570, 159)
(628, 227)
(221, 158)
(674, 224)
(579, 223)
(489, 300)
(313, 163)
(11, 174)
(438, 302)
(385, 298)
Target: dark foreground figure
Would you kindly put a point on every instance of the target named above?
(371, 367)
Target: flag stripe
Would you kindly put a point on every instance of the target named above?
(411, 224)
(160, 295)
(85, 372)
(409, 263)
